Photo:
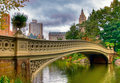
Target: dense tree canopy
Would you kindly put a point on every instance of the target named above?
(19, 20)
(97, 19)
(111, 33)
(105, 24)
(73, 33)
(91, 26)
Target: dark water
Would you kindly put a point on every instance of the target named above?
(61, 72)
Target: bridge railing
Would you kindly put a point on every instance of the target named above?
(14, 46)
(7, 46)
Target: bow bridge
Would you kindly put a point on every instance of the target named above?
(33, 55)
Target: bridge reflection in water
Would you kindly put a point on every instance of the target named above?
(84, 74)
(31, 56)
(106, 72)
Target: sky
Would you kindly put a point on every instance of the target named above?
(59, 15)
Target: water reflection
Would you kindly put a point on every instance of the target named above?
(49, 73)
(60, 72)
(63, 72)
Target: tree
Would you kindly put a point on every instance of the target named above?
(7, 5)
(98, 18)
(111, 24)
(91, 26)
(19, 20)
(105, 23)
(111, 33)
(73, 33)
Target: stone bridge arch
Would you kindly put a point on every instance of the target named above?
(35, 54)
(95, 56)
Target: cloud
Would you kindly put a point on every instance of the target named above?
(56, 14)
(60, 19)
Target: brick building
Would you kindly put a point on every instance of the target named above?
(5, 25)
(57, 36)
(81, 20)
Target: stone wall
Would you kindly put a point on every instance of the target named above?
(7, 67)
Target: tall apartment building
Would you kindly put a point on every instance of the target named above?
(81, 20)
(36, 29)
(5, 25)
(57, 36)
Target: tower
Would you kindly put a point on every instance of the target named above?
(81, 20)
(82, 17)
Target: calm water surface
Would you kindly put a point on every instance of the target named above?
(61, 72)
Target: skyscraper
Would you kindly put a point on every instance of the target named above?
(36, 29)
(81, 20)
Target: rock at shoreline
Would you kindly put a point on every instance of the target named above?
(84, 61)
(117, 62)
(81, 61)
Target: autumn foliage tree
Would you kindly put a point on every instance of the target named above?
(7, 5)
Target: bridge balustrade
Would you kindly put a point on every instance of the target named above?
(14, 46)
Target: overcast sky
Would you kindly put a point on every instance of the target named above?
(59, 15)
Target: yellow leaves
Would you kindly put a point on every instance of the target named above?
(7, 5)
(17, 4)
(3, 22)
(12, 81)
(22, 1)
(22, 5)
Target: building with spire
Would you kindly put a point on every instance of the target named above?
(82, 17)
(81, 20)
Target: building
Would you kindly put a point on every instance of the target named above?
(32, 36)
(5, 25)
(14, 29)
(36, 29)
(57, 36)
(81, 20)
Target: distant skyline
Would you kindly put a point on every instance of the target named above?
(59, 15)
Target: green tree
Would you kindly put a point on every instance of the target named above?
(105, 22)
(4, 79)
(98, 18)
(111, 33)
(19, 20)
(73, 33)
(79, 28)
(91, 25)
(111, 24)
